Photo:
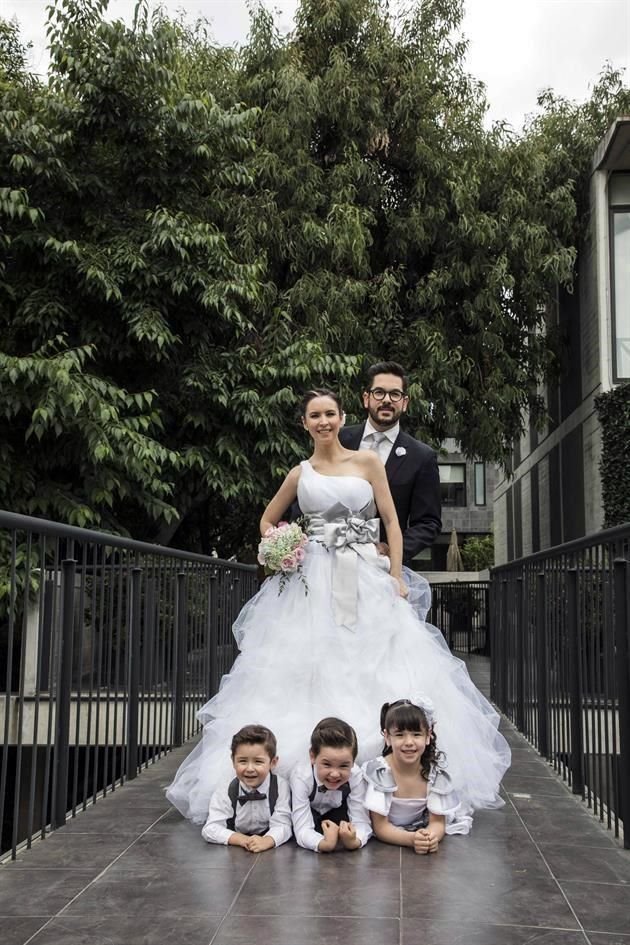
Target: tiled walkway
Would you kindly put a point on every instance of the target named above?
(130, 871)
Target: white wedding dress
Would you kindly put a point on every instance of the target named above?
(343, 648)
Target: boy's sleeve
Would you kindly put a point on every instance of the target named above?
(219, 812)
(280, 823)
(357, 811)
(303, 826)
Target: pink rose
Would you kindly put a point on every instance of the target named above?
(282, 525)
(299, 554)
(269, 532)
(289, 563)
(261, 558)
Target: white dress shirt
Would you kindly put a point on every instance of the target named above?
(389, 437)
(253, 817)
(303, 824)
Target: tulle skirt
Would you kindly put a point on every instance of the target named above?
(297, 665)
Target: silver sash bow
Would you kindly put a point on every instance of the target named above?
(351, 535)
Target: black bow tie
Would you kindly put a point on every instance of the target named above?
(252, 796)
(321, 788)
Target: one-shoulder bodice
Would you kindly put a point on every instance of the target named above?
(317, 493)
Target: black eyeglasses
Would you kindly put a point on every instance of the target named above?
(394, 395)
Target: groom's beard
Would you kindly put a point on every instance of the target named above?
(385, 419)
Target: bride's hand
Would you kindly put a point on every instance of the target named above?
(403, 590)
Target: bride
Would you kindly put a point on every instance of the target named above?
(346, 642)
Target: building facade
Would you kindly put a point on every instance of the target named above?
(554, 494)
(467, 489)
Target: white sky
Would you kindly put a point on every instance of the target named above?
(517, 47)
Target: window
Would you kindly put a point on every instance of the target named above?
(453, 484)
(619, 198)
(480, 483)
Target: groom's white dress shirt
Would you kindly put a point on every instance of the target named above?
(386, 440)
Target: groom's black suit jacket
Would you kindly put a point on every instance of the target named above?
(414, 481)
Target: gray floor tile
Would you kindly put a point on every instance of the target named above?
(129, 930)
(177, 850)
(112, 818)
(568, 862)
(497, 825)
(283, 930)
(446, 933)
(65, 850)
(16, 931)
(337, 885)
(39, 892)
(523, 766)
(155, 893)
(514, 899)
(460, 860)
(517, 784)
(599, 906)
(602, 938)
(553, 819)
(374, 854)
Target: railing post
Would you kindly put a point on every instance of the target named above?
(63, 695)
(214, 634)
(133, 675)
(504, 648)
(181, 645)
(575, 692)
(520, 659)
(541, 667)
(622, 648)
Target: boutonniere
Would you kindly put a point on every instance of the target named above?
(401, 451)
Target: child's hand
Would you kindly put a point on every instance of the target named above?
(403, 590)
(348, 836)
(260, 844)
(237, 839)
(425, 841)
(331, 836)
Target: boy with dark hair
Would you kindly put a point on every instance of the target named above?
(253, 810)
(328, 794)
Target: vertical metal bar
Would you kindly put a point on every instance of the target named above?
(520, 658)
(213, 635)
(38, 696)
(133, 673)
(53, 662)
(64, 694)
(150, 644)
(575, 690)
(541, 667)
(504, 637)
(180, 658)
(622, 645)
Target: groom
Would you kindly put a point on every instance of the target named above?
(411, 466)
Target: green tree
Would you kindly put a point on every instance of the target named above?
(478, 553)
(393, 220)
(140, 374)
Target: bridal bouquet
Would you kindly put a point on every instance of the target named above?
(281, 551)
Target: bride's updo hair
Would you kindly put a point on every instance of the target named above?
(319, 392)
(404, 716)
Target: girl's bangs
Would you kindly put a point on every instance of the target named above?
(407, 718)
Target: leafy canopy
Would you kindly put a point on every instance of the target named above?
(191, 236)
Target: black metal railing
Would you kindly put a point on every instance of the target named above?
(461, 609)
(108, 648)
(561, 664)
